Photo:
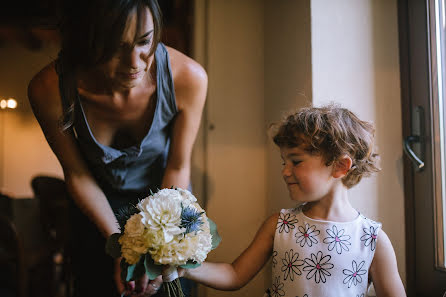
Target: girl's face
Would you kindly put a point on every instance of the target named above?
(307, 176)
(131, 64)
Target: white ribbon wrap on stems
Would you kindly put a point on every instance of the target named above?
(170, 274)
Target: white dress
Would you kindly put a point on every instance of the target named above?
(314, 258)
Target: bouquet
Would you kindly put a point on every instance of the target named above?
(165, 228)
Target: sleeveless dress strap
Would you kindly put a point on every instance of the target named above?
(66, 91)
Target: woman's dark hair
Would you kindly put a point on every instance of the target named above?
(91, 33)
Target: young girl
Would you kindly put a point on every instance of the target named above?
(324, 247)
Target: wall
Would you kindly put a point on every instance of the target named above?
(236, 143)
(287, 80)
(26, 152)
(355, 63)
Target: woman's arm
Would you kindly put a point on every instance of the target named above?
(190, 81)
(224, 276)
(384, 270)
(43, 93)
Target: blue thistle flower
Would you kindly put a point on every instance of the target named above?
(191, 219)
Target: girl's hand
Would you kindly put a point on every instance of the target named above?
(181, 271)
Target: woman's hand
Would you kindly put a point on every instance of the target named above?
(117, 277)
(143, 287)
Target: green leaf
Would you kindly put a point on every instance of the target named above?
(152, 270)
(216, 239)
(135, 271)
(112, 246)
(190, 265)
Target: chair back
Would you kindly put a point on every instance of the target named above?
(54, 208)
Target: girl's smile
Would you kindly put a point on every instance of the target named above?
(307, 176)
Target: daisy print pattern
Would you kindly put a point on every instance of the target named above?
(318, 266)
(306, 235)
(286, 222)
(370, 236)
(291, 265)
(274, 260)
(354, 276)
(277, 288)
(337, 239)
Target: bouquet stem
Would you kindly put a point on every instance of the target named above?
(172, 285)
(173, 288)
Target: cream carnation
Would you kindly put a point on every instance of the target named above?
(134, 226)
(132, 247)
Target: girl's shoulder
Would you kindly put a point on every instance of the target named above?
(370, 222)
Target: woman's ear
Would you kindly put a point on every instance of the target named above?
(342, 166)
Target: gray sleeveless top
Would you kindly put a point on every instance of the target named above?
(139, 168)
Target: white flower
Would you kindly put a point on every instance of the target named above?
(203, 248)
(162, 213)
(157, 230)
(186, 195)
(133, 244)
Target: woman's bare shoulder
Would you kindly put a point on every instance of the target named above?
(186, 70)
(43, 91)
(45, 82)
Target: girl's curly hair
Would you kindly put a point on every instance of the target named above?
(332, 132)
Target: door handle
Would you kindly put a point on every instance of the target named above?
(419, 164)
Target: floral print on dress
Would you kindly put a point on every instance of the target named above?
(354, 276)
(337, 239)
(286, 222)
(274, 260)
(276, 288)
(370, 236)
(362, 295)
(307, 235)
(291, 265)
(318, 266)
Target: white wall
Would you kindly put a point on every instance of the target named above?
(236, 146)
(26, 152)
(355, 63)
(287, 80)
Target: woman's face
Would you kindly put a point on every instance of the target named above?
(130, 65)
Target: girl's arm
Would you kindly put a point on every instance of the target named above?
(190, 82)
(225, 276)
(384, 270)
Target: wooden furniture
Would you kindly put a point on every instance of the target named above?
(13, 276)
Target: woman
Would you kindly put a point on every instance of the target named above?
(121, 112)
